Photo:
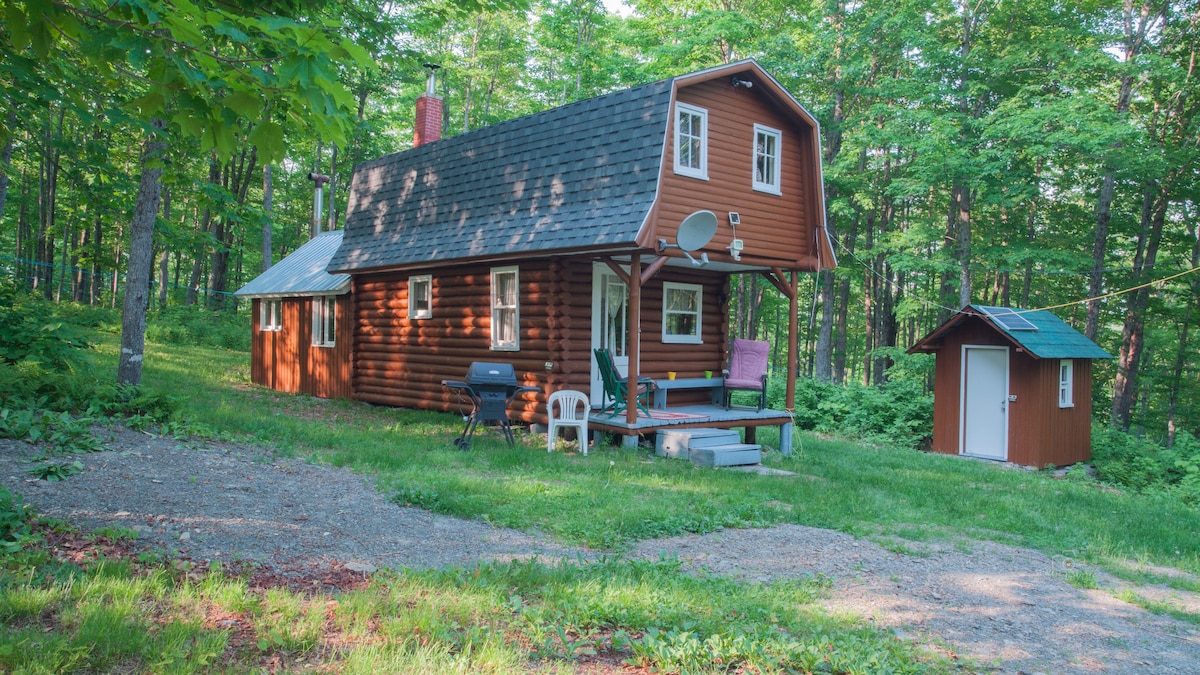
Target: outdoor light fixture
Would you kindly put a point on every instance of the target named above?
(740, 83)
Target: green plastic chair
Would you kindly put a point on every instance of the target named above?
(615, 386)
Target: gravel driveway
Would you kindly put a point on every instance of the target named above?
(1009, 608)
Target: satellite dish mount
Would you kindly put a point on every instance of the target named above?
(694, 234)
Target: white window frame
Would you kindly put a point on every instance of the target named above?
(679, 338)
(415, 292)
(270, 315)
(1066, 383)
(324, 320)
(701, 172)
(501, 305)
(776, 159)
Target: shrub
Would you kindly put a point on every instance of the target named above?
(196, 325)
(34, 334)
(900, 411)
(14, 521)
(1124, 460)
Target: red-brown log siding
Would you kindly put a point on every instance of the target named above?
(1039, 432)
(402, 362)
(776, 229)
(286, 360)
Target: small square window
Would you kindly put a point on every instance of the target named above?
(767, 142)
(324, 321)
(681, 313)
(420, 297)
(691, 141)
(270, 314)
(1066, 384)
(505, 310)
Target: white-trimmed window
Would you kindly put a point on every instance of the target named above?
(681, 313)
(691, 141)
(1066, 384)
(767, 144)
(270, 314)
(505, 310)
(420, 297)
(324, 320)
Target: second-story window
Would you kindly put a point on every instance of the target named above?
(766, 159)
(691, 141)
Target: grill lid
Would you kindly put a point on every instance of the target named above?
(495, 374)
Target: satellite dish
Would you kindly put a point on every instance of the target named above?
(697, 230)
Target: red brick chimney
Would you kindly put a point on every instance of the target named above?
(428, 125)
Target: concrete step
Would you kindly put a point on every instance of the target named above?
(676, 442)
(734, 454)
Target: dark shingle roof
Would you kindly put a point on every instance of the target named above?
(302, 272)
(585, 174)
(1052, 339)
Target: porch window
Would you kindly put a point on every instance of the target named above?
(1066, 384)
(505, 310)
(270, 314)
(681, 313)
(767, 143)
(420, 297)
(324, 318)
(691, 141)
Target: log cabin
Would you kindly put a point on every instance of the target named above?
(612, 222)
(1012, 385)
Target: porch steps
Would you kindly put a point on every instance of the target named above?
(707, 447)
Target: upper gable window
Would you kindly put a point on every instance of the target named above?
(420, 297)
(270, 314)
(691, 141)
(505, 310)
(767, 142)
(681, 313)
(324, 321)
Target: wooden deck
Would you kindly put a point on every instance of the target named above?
(696, 416)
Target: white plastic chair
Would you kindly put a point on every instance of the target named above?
(572, 412)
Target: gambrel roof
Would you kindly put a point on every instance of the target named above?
(302, 272)
(582, 177)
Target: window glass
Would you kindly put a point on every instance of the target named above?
(766, 159)
(504, 309)
(1066, 385)
(324, 320)
(270, 315)
(681, 313)
(420, 297)
(691, 140)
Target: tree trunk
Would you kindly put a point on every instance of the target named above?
(166, 253)
(6, 161)
(141, 248)
(268, 199)
(332, 224)
(1182, 353)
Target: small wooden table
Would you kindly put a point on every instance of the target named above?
(717, 384)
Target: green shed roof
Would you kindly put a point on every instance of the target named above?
(1041, 333)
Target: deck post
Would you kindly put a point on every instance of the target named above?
(792, 351)
(633, 341)
(785, 438)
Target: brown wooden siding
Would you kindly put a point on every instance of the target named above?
(402, 362)
(776, 228)
(1039, 432)
(286, 361)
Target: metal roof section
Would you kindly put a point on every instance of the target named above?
(302, 272)
(1050, 336)
(575, 177)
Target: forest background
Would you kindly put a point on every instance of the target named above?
(1034, 154)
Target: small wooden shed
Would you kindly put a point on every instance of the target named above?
(301, 336)
(1012, 385)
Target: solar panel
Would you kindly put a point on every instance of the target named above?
(1008, 317)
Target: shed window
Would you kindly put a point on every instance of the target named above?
(505, 310)
(270, 314)
(767, 143)
(420, 297)
(681, 313)
(691, 141)
(1066, 384)
(324, 320)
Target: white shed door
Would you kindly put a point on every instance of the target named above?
(984, 423)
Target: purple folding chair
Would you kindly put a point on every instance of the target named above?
(748, 360)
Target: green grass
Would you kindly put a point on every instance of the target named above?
(517, 617)
(614, 496)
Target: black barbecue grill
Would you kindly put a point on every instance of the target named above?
(491, 388)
